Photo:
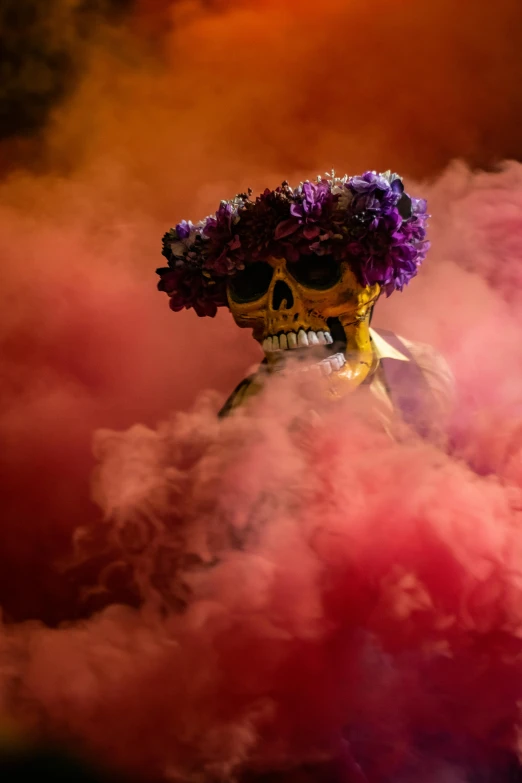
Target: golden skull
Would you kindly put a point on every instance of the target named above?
(315, 302)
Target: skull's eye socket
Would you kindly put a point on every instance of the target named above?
(251, 282)
(318, 272)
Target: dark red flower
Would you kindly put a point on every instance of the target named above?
(188, 288)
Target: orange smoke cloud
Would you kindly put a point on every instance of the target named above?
(166, 121)
(242, 92)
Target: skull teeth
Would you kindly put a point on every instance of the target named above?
(325, 366)
(335, 362)
(291, 340)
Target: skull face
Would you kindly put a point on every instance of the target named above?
(311, 302)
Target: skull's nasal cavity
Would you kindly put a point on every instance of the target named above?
(282, 294)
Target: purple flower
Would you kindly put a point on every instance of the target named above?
(419, 206)
(369, 182)
(374, 191)
(386, 249)
(219, 228)
(397, 186)
(183, 229)
(310, 208)
(313, 199)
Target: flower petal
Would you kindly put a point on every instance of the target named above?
(286, 228)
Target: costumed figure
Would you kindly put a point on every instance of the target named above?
(303, 268)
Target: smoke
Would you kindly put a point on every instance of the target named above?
(45, 50)
(383, 629)
(157, 118)
(232, 83)
(302, 579)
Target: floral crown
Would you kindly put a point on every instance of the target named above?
(368, 221)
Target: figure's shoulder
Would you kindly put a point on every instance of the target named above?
(434, 367)
(419, 381)
(428, 360)
(243, 390)
(439, 401)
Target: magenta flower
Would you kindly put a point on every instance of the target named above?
(311, 207)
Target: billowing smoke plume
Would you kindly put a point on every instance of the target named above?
(180, 106)
(45, 50)
(333, 583)
(294, 85)
(303, 580)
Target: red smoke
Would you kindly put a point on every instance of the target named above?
(429, 561)
(377, 592)
(228, 95)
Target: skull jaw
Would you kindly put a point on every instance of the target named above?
(315, 364)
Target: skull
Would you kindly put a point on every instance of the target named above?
(315, 302)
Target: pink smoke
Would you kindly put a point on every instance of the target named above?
(87, 342)
(335, 583)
